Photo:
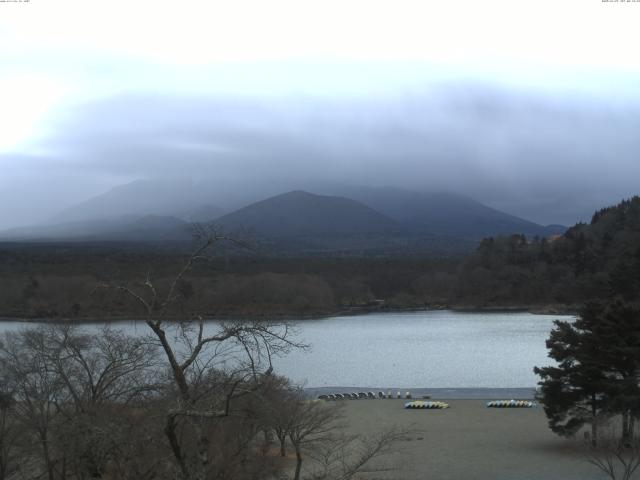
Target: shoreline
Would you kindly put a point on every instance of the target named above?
(354, 311)
(454, 393)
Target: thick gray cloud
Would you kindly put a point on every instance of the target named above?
(548, 158)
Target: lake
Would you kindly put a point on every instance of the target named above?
(427, 349)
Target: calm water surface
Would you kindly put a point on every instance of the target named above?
(435, 349)
(423, 349)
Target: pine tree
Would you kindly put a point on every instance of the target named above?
(573, 392)
(617, 327)
(598, 369)
(624, 278)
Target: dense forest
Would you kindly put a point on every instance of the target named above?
(589, 261)
(61, 282)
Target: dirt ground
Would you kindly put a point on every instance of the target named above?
(469, 441)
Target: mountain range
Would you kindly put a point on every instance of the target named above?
(342, 219)
(444, 213)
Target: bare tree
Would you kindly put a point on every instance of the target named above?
(312, 422)
(72, 393)
(345, 456)
(316, 429)
(38, 391)
(318, 435)
(98, 369)
(243, 350)
(106, 376)
(280, 406)
(10, 434)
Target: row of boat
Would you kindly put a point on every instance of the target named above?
(351, 396)
(422, 404)
(365, 395)
(492, 404)
(511, 404)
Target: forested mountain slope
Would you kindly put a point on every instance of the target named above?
(589, 261)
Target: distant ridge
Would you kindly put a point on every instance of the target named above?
(444, 213)
(140, 197)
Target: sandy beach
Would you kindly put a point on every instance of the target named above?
(471, 441)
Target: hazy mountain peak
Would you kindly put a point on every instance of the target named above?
(442, 213)
(303, 213)
(139, 197)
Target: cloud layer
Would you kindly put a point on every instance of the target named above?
(547, 158)
(520, 106)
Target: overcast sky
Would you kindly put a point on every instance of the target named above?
(530, 106)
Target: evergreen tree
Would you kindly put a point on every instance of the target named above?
(573, 392)
(617, 327)
(624, 278)
(598, 369)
